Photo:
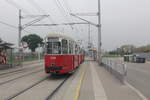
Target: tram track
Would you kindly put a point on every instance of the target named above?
(26, 89)
(7, 74)
(24, 70)
(32, 62)
(25, 75)
(49, 97)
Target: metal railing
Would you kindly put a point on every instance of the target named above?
(14, 59)
(118, 69)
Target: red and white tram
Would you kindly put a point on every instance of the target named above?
(62, 54)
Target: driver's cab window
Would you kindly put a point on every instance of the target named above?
(53, 47)
(56, 48)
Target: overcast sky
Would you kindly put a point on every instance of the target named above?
(123, 21)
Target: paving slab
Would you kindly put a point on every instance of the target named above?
(114, 89)
(86, 92)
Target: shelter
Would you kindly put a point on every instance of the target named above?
(5, 53)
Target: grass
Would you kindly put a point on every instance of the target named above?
(112, 56)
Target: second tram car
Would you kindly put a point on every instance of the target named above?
(62, 54)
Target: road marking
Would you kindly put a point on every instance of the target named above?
(136, 91)
(99, 91)
(76, 97)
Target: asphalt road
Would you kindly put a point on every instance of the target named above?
(138, 75)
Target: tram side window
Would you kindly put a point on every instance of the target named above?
(76, 49)
(53, 48)
(70, 47)
(79, 50)
(64, 46)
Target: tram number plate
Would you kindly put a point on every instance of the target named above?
(52, 57)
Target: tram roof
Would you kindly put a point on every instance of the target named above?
(60, 36)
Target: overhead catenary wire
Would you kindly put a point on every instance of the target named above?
(67, 5)
(12, 26)
(6, 24)
(11, 2)
(33, 3)
(68, 8)
(62, 10)
(67, 11)
(40, 10)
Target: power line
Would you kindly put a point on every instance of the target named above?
(67, 5)
(62, 10)
(12, 26)
(33, 3)
(69, 11)
(61, 6)
(11, 2)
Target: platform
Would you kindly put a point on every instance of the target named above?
(93, 82)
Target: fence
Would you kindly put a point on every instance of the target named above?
(14, 58)
(118, 69)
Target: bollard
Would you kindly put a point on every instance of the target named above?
(110, 65)
(125, 69)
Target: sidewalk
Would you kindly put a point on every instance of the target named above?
(93, 82)
(92, 88)
(98, 84)
(112, 86)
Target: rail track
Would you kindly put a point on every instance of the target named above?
(25, 75)
(56, 89)
(19, 93)
(49, 97)
(6, 74)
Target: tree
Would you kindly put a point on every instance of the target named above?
(143, 49)
(128, 49)
(32, 40)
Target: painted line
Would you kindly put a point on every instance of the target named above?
(98, 88)
(136, 91)
(76, 97)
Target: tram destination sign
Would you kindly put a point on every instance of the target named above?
(53, 39)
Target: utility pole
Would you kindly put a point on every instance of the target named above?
(99, 32)
(97, 25)
(22, 27)
(39, 53)
(19, 39)
(19, 30)
(89, 27)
